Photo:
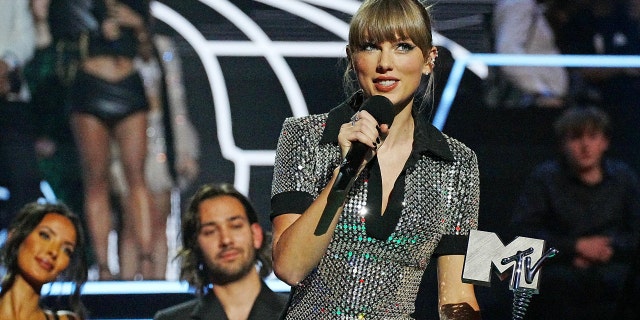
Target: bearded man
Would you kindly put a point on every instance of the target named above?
(222, 245)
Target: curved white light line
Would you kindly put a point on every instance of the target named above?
(211, 67)
(321, 18)
(242, 159)
(277, 62)
(219, 92)
(284, 48)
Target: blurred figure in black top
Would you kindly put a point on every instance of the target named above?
(587, 206)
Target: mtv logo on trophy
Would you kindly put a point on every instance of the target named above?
(485, 249)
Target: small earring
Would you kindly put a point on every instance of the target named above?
(432, 60)
(432, 63)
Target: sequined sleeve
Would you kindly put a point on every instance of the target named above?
(467, 200)
(295, 179)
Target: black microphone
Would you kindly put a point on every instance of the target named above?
(381, 109)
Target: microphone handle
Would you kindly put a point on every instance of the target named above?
(336, 198)
(349, 170)
(334, 202)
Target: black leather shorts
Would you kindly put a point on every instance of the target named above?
(108, 101)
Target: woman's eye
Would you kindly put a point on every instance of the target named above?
(44, 235)
(405, 47)
(368, 47)
(69, 251)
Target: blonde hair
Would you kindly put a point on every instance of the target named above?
(388, 20)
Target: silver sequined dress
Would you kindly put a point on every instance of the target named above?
(361, 277)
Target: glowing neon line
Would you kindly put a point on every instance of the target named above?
(284, 48)
(277, 62)
(138, 287)
(282, 72)
(241, 159)
(450, 89)
(605, 61)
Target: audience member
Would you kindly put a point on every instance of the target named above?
(18, 165)
(608, 28)
(587, 205)
(56, 151)
(107, 100)
(222, 245)
(520, 27)
(415, 190)
(161, 72)
(634, 11)
(44, 245)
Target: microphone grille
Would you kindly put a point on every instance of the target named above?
(380, 107)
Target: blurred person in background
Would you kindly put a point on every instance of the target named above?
(56, 151)
(609, 28)
(521, 27)
(587, 205)
(172, 155)
(107, 100)
(19, 175)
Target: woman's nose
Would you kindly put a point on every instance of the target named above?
(385, 61)
(52, 250)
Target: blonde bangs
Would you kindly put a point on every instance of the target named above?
(391, 20)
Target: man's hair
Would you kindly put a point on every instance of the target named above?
(193, 268)
(576, 121)
(22, 225)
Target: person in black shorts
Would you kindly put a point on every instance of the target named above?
(107, 100)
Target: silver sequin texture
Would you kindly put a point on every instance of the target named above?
(361, 277)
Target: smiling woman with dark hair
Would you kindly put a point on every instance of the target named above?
(45, 244)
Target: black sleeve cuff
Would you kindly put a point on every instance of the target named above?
(452, 245)
(290, 202)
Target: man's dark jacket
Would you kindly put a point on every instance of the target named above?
(268, 305)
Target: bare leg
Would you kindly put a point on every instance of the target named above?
(127, 248)
(162, 200)
(92, 139)
(128, 251)
(131, 136)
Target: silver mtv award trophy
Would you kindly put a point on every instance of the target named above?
(485, 250)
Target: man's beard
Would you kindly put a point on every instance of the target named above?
(223, 275)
